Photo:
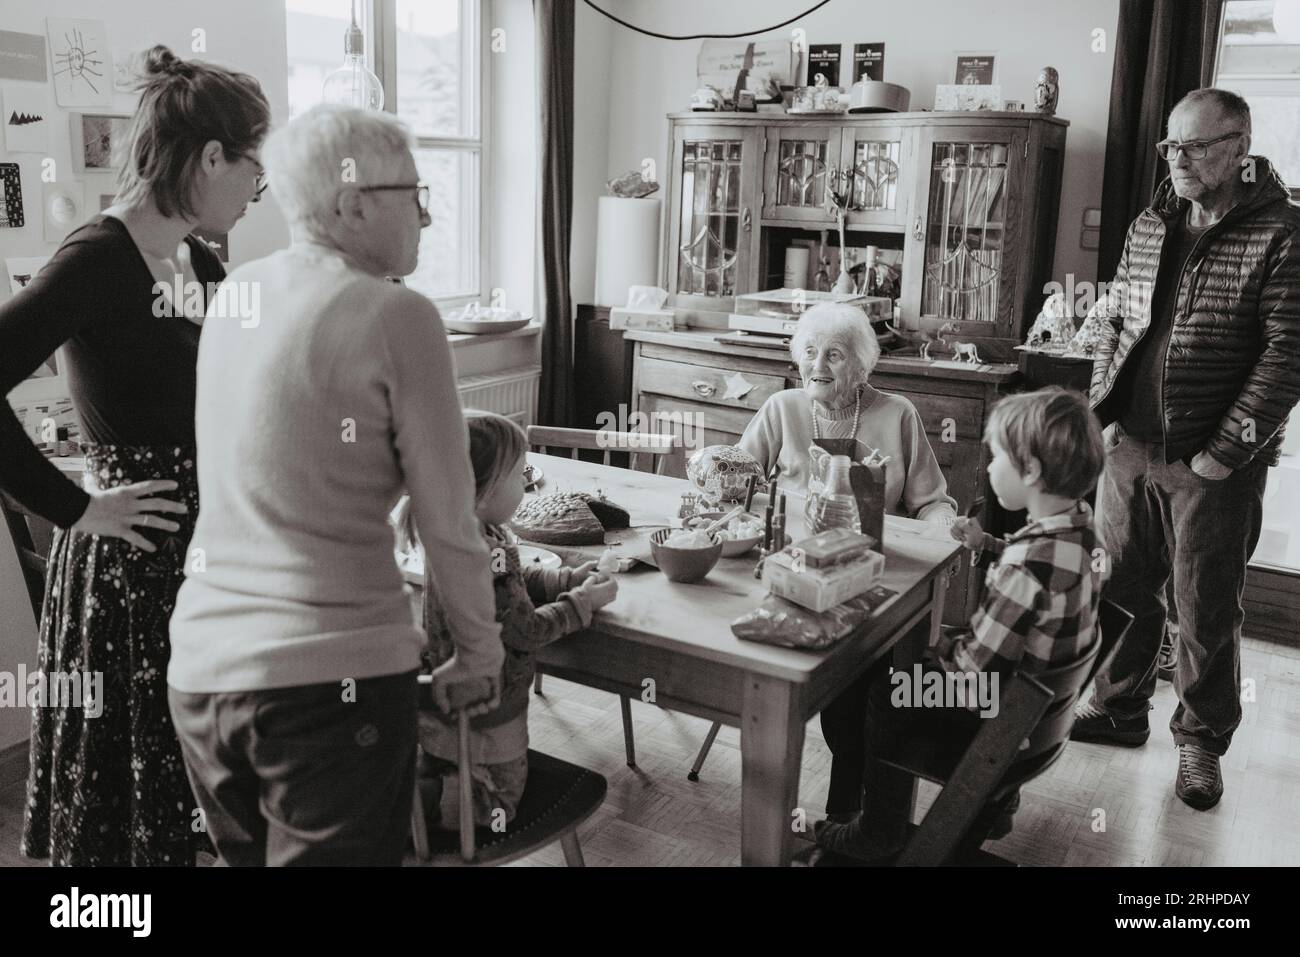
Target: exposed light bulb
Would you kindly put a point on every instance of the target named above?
(353, 84)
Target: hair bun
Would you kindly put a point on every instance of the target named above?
(160, 61)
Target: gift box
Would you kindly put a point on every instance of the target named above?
(787, 575)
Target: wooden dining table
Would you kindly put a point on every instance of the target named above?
(676, 640)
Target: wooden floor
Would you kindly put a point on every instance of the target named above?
(1099, 806)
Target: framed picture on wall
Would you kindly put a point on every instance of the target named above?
(97, 140)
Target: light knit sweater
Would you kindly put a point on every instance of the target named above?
(309, 425)
(782, 431)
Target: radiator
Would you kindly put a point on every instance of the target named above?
(510, 392)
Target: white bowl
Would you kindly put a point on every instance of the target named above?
(479, 326)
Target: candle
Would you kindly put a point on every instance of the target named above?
(767, 526)
(749, 491)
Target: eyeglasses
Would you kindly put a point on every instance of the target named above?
(421, 193)
(261, 183)
(1192, 149)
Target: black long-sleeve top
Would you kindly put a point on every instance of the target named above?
(131, 374)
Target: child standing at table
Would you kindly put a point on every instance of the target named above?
(535, 607)
(1039, 606)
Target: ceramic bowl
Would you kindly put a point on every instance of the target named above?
(731, 547)
(684, 564)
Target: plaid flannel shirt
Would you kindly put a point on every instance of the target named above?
(1040, 602)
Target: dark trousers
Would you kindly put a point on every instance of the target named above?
(301, 775)
(883, 791)
(1159, 519)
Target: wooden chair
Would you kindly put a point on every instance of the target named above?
(558, 797)
(657, 447)
(32, 562)
(1028, 735)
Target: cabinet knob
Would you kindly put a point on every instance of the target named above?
(745, 220)
(703, 389)
(917, 231)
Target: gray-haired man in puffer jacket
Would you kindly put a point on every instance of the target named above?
(1196, 372)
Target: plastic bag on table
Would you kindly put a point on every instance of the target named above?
(779, 622)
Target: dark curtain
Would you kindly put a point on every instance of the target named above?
(1164, 49)
(555, 23)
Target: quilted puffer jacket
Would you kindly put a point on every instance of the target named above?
(1232, 373)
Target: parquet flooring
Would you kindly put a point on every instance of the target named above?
(1098, 806)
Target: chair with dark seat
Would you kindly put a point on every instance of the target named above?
(30, 560)
(1025, 738)
(558, 797)
(658, 448)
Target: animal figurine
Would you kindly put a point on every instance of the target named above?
(1047, 91)
(923, 339)
(965, 351)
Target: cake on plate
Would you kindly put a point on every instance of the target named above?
(568, 518)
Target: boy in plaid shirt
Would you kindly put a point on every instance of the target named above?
(1038, 610)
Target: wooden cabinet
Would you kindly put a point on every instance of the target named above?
(969, 199)
(706, 392)
(968, 203)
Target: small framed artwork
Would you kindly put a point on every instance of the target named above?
(97, 141)
(976, 68)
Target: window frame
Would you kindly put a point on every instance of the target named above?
(1250, 80)
(382, 16)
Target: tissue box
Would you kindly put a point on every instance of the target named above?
(820, 588)
(659, 320)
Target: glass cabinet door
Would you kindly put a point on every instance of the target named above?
(876, 158)
(797, 162)
(963, 235)
(712, 232)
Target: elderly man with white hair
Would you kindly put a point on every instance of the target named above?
(836, 352)
(292, 680)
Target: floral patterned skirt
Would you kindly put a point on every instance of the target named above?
(107, 784)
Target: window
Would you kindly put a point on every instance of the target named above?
(428, 55)
(1259, 58)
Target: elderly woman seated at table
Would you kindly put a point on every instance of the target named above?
(836, 352)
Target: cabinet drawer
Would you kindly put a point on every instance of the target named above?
(707, 384)
(695, 424)
(966, 414)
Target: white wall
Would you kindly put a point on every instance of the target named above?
(648, 78)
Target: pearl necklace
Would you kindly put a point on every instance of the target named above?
(857, 413)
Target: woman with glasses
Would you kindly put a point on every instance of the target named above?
(294, 654)
(107, 784)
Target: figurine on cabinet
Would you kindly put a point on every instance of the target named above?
(1047, 91)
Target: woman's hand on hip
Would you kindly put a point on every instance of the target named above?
(117, 512)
